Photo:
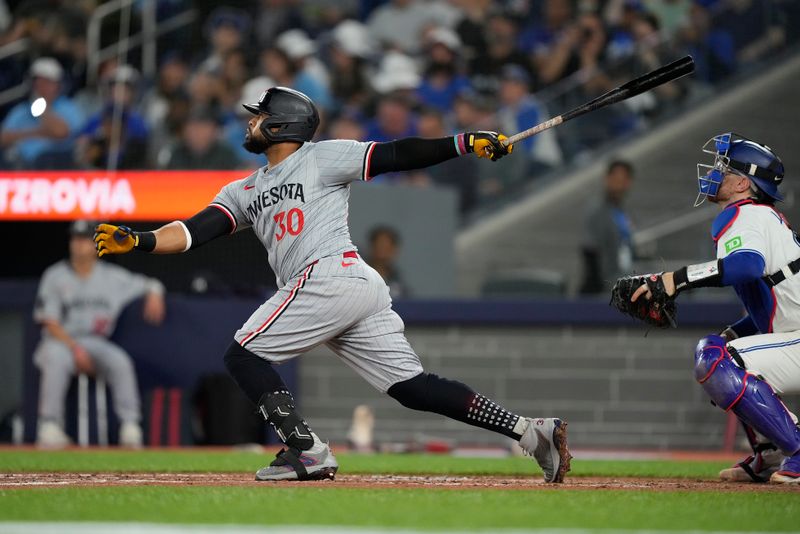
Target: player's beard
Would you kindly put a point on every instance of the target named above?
(255, 145)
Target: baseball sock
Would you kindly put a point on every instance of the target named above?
(431, 393)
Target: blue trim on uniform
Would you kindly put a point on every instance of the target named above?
(723, 221)
(770, 346)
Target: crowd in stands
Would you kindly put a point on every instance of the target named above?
(377, 69)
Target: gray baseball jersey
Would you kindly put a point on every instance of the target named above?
(88, 306)
(298, 209)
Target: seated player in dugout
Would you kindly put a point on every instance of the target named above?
(78, 311)
(298, 207)
(749, 364)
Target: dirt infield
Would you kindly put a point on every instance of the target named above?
(54, 480)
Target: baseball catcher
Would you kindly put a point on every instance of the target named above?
(749, 364)
(297, 206)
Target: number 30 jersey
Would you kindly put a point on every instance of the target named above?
(298, 208)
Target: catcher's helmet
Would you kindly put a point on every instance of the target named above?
(734, 153)
(292, 112)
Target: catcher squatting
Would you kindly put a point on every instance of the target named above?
(297, 205)
(749, 364)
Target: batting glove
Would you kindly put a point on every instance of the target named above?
(487, 144)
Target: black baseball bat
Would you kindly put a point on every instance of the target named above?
(660, 76)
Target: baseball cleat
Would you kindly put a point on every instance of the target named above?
(789, 472)
(316, 463)
(130, 435)
(755, 468)
(546, 441)
(50, 435)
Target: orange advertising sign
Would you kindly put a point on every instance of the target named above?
(123, 195)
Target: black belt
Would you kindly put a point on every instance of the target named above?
(776, 278)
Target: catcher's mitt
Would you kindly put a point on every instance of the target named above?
(659, 310)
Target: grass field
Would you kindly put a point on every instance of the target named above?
(599, 505)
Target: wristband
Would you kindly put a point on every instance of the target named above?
(707, 274)
(144, 241)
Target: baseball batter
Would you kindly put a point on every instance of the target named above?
(297, 205)
(751, 363)
(78, 311)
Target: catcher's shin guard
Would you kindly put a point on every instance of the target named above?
(278, 409)
(750, 398)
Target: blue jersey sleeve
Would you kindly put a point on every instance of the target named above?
(741, 267)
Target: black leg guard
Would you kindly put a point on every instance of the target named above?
(278, 409)
(431, 393)
(264, 387)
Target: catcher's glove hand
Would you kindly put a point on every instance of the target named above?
(487, 144)
(110, 239)
(658, 310)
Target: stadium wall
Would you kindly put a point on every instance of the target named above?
(617, 384)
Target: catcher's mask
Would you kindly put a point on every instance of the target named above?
(738, 155)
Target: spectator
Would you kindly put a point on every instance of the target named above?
(384, 245)
(274, 17)
(173, 75)
(106, 143)
(206, 89)
(501, 49)
(649, 55)
(443, 79)
(227, 29)
(519, 111)
(470, 27)
(459, 173)
(672, 15)
(168, 133)
(236, 122)
(277, 65)
(201, 147)
(394, 119)
(607, 244)
(78, 303)
(38, 134)
(755, 26)
(299, 47)
(347, 127)
(712, 48)
(350, 50)
(397, 73)
(398, 24)
(234, 74)
(551, 44)
(473, 111)
(621, 40)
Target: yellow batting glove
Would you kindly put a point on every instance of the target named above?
(110, 239)
(487, 144)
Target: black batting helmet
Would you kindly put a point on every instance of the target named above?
(292, 112)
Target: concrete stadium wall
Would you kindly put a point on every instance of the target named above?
(615, 387)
